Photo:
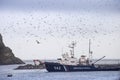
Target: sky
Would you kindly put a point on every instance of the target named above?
(43, 29)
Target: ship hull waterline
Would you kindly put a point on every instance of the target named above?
(56, 67)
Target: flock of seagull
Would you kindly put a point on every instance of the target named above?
(32, 25)
(43, 27)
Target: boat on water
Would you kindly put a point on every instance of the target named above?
(72, 64)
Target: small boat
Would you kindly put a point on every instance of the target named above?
(9, 75)
(71, 64)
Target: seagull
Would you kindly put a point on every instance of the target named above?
(37, 42)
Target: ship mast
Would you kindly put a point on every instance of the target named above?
(89, 47)
(72, 46)
(90, 52)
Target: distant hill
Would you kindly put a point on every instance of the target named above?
(6, 55)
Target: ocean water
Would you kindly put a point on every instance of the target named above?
(42, 74)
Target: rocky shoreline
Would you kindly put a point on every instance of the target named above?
(6, 55)
(30, 66)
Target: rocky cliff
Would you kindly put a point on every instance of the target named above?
(6, 55)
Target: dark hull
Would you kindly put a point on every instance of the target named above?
(56, 67)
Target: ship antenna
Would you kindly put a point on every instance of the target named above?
(62, 50)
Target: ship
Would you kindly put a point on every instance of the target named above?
(69, 63)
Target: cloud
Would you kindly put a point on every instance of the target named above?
(62, 5)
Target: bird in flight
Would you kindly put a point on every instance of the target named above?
(37, 42)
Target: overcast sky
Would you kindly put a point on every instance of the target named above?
(56, 23)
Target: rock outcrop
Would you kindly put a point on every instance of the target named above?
(7, 56)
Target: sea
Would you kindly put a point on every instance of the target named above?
(42, 74)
